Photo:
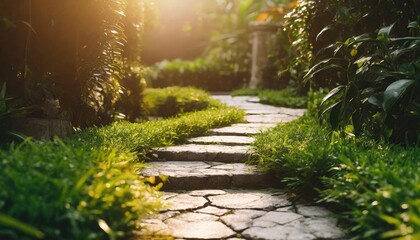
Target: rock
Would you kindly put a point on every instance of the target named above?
(193, 152)
(325, 227)
(206, 175)
(195, 217)
(277, 218)
(313, 211)
(223, 140)
(203, 193)
(213, 210)
(240, 129)
(278, 232)
(199, 230)
(269, 118)
(185, 202)
(249, 200)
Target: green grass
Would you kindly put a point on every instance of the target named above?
(376, 186)
(171, 101)
(87, 186)
(280, 98)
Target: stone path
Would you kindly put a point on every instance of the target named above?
(212, 194)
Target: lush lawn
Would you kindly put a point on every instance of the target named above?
(281, 98)
(375, 186)
(87, 186)
(170, 101)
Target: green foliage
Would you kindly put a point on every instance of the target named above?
(374, 70)
(87, 186)
(282, 98)
(375, 185)
(78, 56)
(364, 52)
(200, 73)
(8, 110)
(172, 101)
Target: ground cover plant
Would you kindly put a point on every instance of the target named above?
(171, 101)
(87, 186)
(374, 185)
(282, 98)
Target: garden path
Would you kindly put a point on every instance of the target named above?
(212, 194)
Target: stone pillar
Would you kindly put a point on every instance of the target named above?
(263, 40)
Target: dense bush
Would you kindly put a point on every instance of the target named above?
(88, 187)
(374, 185)
(172, 101)
(364, 52)
(200, 73)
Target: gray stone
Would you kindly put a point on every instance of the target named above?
(184, 202)
(193, 152)
(277, 218)
(249, 200)
(196, 217)
(237, 222)
(199, 230)
(269, 118)
(278, 232)
(210, 175)
(223, 140)
(313, 211)
(153, 227)
(239, 130)
(203, 193)
(166, 215)
(325, 227)
(213, 210)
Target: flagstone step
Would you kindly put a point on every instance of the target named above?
(223, 140)
(241, 214)
(206, 175)
(242, 129)
(197, 152)
(269, 118)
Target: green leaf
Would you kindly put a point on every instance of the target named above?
(325, 29)
(394, 91)
(332, 93)
(376, 100)
(18, 225)
(386, 30)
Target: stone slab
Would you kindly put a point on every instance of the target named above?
(223, 140)
(242, 129)
(196, 152)
(242, 214)
(270, 118)
(257, 200)
(186, 175)
(199, 229)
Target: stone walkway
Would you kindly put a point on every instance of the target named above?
(212, 194)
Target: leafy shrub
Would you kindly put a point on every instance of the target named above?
(373, 184)
(199, 73)
(172, 101)
(377, 78)
(87, 186)
(283, 98)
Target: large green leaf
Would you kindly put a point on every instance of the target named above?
(332, 93)
(394, 91)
